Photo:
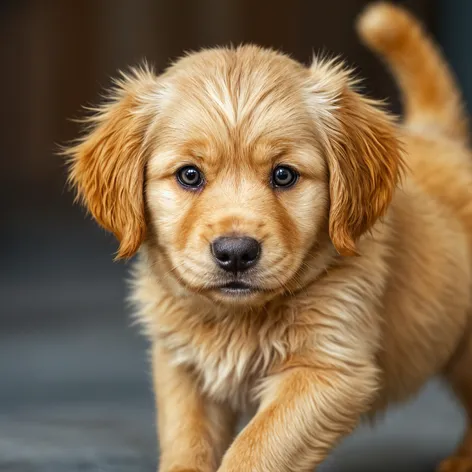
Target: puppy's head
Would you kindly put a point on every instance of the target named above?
(233, 165)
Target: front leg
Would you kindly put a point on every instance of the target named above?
(193, 431)
(305, 411)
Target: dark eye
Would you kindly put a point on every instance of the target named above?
(190, 177)
(283, 177)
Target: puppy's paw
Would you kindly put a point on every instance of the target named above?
(455, 464)
(179, 469)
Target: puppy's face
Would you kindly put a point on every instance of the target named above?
(237, 187)
(233, 165)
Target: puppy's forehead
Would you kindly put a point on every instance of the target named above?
(245, 96)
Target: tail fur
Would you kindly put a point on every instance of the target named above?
(431, 98)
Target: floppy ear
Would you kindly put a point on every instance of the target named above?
(363, 153)
(107, 164)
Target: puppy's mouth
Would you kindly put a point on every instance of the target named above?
(236, 288)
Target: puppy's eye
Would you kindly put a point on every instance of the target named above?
(283, 177)
(190, 177)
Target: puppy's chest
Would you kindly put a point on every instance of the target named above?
(229, 361)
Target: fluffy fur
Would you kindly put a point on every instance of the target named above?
(363, 290)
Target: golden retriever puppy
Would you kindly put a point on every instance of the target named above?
(301, 255)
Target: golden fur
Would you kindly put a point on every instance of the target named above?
(364, 283)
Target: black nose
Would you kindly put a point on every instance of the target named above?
(235, 254)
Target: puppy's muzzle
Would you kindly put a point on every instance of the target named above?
(235, 254)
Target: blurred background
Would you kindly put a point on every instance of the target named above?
(75, 393)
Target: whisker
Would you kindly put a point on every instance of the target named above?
(173, 269)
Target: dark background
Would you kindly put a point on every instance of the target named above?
(74, 387)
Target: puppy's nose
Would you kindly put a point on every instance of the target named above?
(235, 254)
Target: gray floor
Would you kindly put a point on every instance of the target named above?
(75, 393)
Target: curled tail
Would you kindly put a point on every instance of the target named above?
(431, 97)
